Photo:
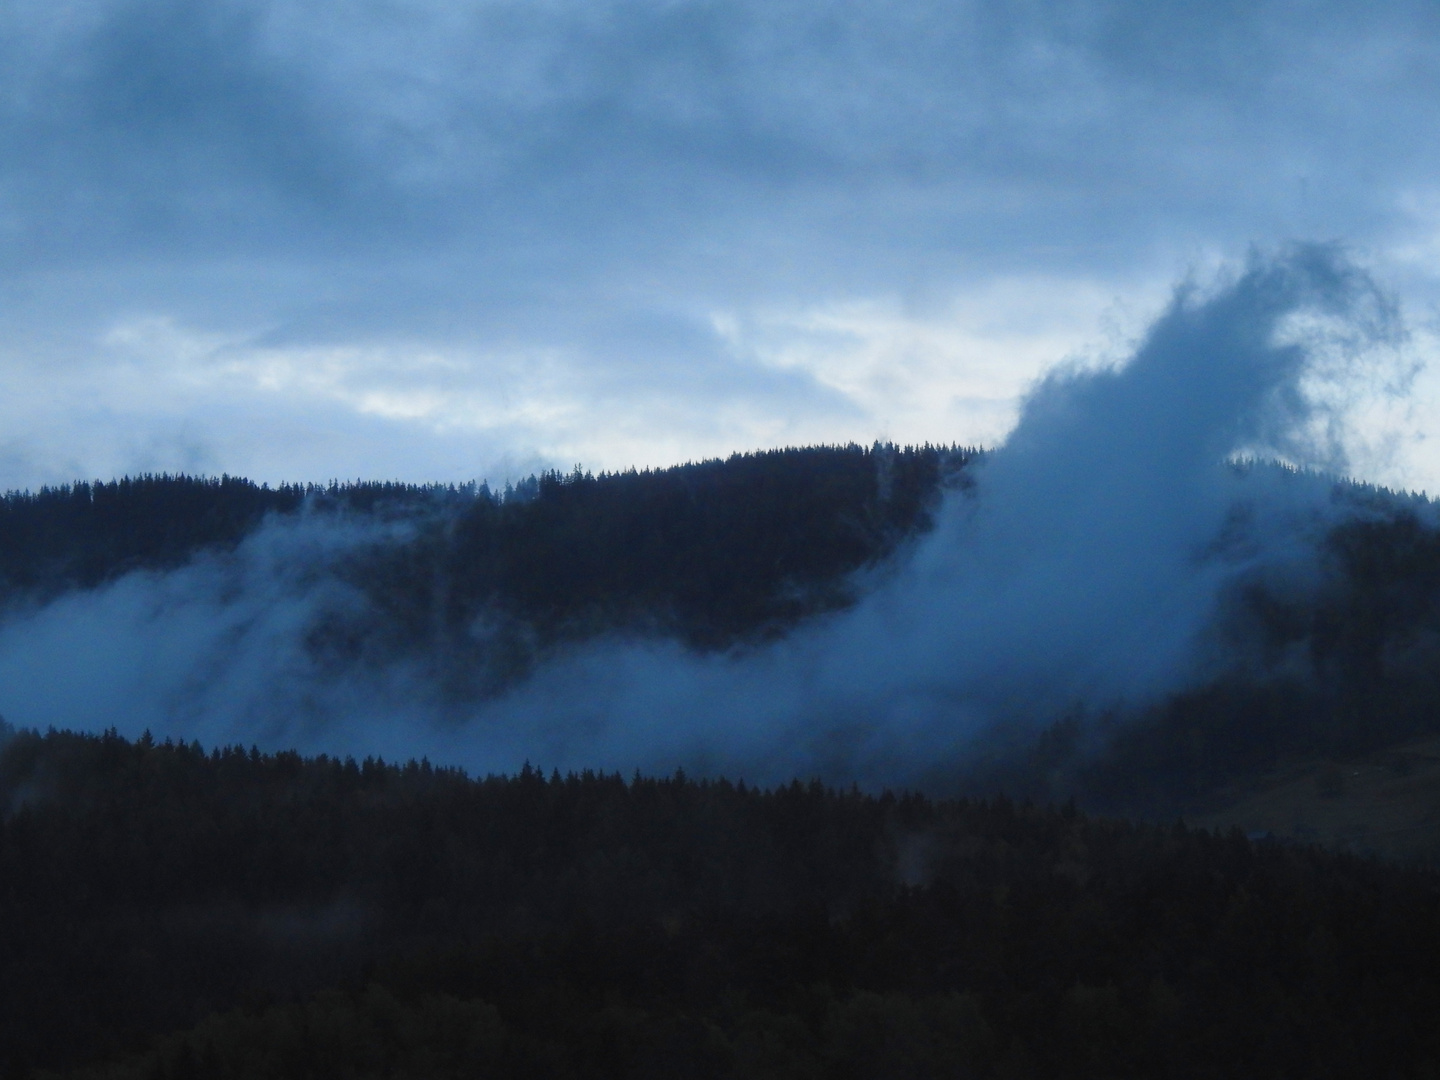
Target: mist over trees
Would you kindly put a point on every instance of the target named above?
(1345, 666)
(478, 588)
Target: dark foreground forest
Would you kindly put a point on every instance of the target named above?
(268, 915)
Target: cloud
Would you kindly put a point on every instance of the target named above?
(593, 126)
(596, 181)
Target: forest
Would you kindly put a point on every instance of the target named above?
(271, 915)
(173, 910)
(715, 552)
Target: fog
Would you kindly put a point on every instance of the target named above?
(1083, 569)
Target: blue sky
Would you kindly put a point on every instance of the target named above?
(451, 240)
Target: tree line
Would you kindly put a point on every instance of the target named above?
(168, 911)
(714, 551)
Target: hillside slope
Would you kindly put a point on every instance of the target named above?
(1385, 803)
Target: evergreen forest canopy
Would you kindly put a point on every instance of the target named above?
(714, 552)
(170, 912)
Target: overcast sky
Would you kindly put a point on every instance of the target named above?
(442, 239)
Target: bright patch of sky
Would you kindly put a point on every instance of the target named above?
(440, 240)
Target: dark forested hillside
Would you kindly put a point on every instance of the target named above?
(1342, 669)
(82, 534)
(717, 550)
(713, 552)
(591, 925)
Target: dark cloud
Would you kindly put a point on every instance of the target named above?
(587, 123)
(586, 177)
(162, 126)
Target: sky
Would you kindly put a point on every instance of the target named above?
(441, 241)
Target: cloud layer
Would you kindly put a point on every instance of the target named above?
(441, 240)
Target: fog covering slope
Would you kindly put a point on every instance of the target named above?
(1084, 567)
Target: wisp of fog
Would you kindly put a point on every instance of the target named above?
(1081, 569)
